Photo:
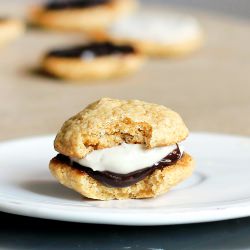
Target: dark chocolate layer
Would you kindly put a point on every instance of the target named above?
(110, 179)
(73, 4)
(93, 50)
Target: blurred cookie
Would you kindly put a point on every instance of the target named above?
(117, 149)
(92, 61)
(10, 29)
(80, 15)
(157, 34)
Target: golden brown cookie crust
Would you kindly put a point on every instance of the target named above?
(109, 122)
(82, 19)
(101, 67)
(159, 182)
(10, 29)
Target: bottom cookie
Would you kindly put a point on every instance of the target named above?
(159, 182)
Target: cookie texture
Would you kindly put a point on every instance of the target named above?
(159, 182)
(109, 122)
(10, 29)
(102, 67)
(81, 19)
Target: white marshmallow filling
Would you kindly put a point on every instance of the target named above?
(125, 158)
(167, 29)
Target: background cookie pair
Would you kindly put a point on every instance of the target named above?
(92, 60)
(150, 33)
(112, 22)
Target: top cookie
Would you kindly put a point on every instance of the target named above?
(109, 122)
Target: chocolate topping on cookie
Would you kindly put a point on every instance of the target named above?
(73, 4)
(93, 50)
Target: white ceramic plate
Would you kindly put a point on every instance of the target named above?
(219, 189)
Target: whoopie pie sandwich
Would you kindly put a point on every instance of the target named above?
(117, 149)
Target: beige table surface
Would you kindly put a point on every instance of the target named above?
(210, 89)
